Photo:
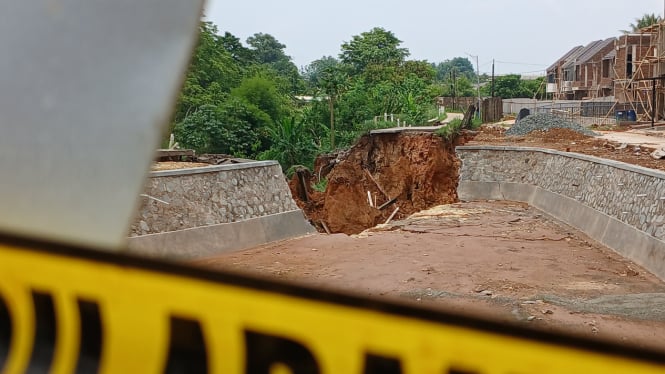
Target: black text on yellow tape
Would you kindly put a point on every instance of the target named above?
(67, 310)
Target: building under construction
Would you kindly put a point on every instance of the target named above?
(631, 68)
(638, 68)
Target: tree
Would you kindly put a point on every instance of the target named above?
(645, 21)
(420, 69)
(333, 81)
(235, 127)
(509, 86)
(212, 73)
(291, 143)
(237, 51)
(233, 94)
(243, 128)
(534, 87)
(513, 86)
(270, 52)
(374, 47)
(381, 80)
(312, 72)
(262, 92)
(459, 86)
(461, 65)
(198, 129)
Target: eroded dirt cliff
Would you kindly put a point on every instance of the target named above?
(412, 171)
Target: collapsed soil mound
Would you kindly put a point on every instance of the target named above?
(412, 171)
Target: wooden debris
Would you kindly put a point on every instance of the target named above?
(175, 155)
(392, 216)
(304, 196)
(391, 201)
(376, 183)
(468, 117)
(325, 227)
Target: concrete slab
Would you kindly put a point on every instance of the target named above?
(572, 212)
(286, 226)
(396, 130)
(212, 240)
(518, 192)
(469, 191)
(636, 245)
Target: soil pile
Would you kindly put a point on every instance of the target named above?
(571, 141)
(412, 171)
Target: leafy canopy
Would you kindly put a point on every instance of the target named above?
(374, 47)
(513, 86)
(238, 98)
(461, 66)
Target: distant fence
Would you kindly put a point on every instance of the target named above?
(491, 109)
(457, 103)
(583, 113)
(600, 111)
(587, 113)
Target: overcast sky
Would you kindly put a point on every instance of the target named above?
(524, 36)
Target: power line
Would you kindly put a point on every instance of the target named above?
(521, 63)
(520, 73)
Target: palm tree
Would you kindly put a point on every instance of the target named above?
(640, 23)
(291, 142)
(333, 82)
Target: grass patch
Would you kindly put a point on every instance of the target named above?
(321, 185)
(454, 128)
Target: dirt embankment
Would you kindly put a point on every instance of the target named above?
(571, 141)
(412, 171)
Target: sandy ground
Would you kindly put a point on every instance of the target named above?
(646, 139)
(174, 165)
(500, 260)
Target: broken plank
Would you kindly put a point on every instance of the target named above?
(325, 227)
(376, 183)
(388, 203)
(392, 216)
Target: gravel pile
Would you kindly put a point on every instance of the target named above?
(545, 121)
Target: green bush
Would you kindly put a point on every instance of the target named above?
(291, 143)
(320, 186)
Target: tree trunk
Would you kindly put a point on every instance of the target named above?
(332, 123)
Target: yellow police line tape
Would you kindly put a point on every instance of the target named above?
(65, 310)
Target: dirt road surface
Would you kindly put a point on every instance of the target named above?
(499, 260)
(641, 138)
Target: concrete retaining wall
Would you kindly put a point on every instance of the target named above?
(191, 213)
(619, 205)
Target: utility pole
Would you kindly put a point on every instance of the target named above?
(454, 87)
(492, 78)
(478, 77)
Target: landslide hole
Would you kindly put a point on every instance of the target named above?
(420, 170)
